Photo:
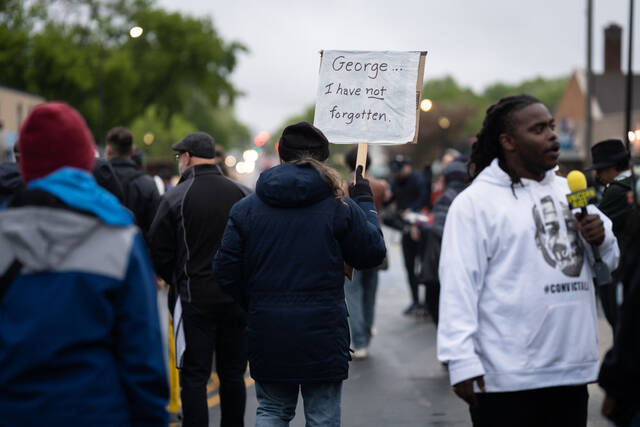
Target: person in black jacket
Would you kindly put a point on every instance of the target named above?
(106, 177)
(10, 180)
(455, 179)
(611, 163)
(184, 237)
(620, 371)
(140, 192)
(282, 255)
(407, 188)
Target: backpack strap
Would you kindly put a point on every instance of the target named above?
(9, 276)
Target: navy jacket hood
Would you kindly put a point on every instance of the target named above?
(289, 186)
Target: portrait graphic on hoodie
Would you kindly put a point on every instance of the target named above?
(560, 246)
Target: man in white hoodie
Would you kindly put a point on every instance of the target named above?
(518, 324)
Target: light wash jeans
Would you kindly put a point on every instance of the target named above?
(277, 404)
(361, 301)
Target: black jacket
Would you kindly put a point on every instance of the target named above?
(620, 371)
(140, 192)
(187, 229)
(614, 205)
(10, 180)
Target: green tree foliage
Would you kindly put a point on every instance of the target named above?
(218, 121)
(447, 93)
(164, 134)
(548, 91)
(80, 52)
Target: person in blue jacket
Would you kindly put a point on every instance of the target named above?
(80, 340)
(282, 255)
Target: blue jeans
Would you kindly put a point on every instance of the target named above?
(277, 403)
(361, 301)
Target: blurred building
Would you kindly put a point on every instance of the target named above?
(607, 106)
(15, 106)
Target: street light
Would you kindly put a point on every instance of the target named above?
(230, 161)
(148, 138)
(444, 123)
(250, 156)
(136, 32)
(426, 105)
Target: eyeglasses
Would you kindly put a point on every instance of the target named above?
(180, 154)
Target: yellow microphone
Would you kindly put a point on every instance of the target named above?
(577, 181)
(580, 197)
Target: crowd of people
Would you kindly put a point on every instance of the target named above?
(257, 278)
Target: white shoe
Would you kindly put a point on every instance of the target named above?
(360, 353)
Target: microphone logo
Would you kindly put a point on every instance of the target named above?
(580, 198)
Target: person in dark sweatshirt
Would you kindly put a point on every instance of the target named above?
(282, 255)
(141, 195)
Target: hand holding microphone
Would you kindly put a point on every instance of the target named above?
(590, 225)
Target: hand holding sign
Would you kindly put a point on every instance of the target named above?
(361, 187)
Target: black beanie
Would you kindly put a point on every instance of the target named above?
(302, 139)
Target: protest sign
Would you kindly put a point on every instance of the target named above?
(369, 97)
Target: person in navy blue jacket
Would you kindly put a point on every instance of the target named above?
(80, 339)
(282, 255)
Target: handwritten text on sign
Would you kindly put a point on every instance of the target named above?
(367, 96)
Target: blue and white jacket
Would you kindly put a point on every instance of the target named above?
(80, 340)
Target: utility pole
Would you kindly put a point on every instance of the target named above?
(629, 98)
(588, 116)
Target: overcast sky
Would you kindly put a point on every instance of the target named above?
(477, 42)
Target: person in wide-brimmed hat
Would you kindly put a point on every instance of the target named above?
(611, 164)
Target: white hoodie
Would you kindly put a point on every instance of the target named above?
(517, 303)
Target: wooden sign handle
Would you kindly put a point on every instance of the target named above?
(361, 160)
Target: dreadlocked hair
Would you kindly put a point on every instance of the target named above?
(328, 175)
(487, 146)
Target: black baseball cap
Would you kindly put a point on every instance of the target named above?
(198, 144)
